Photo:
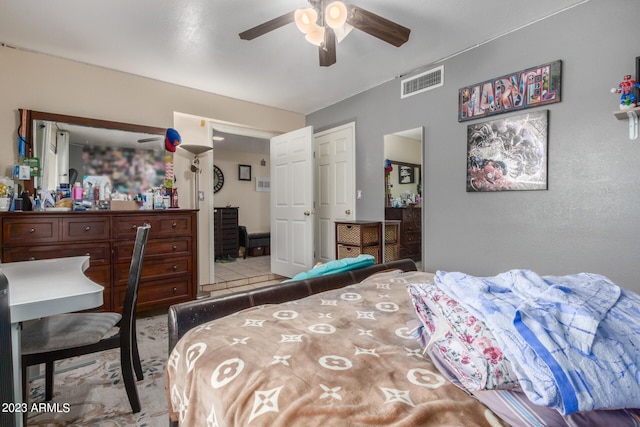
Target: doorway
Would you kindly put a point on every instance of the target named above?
(403, 184)
(251, 142)
(240, 162)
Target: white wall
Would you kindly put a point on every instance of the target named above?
(44, 83)
(254, 212)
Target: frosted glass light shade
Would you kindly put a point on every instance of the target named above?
(315, 36)
(195, 148)
(306, 19)
(335, 14)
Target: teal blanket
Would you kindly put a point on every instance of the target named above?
(337, 266)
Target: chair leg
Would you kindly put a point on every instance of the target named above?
(25, 383)
(137, 364)
(126, 362)
(48, 382)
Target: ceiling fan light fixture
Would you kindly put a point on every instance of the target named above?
(306, 19)
(315, 36)
(335, 14)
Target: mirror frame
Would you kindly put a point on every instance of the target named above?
(31, 116)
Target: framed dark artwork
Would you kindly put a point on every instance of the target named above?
(508, 154)
(244, 172)
(405, 175)
(532, 87)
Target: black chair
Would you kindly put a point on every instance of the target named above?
(74, 334)
(7, 418)
(253, 240)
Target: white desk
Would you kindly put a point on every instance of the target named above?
(45, 288)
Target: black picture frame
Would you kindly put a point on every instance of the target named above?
(244, 172)
(406, 175)
(508, 154)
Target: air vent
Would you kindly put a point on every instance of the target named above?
(423, 82)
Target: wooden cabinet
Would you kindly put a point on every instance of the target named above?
(355, 238)
(410, 230)
(169, 272)
(225, 233)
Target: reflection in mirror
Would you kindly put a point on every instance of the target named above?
(130, 157)
(403, 194)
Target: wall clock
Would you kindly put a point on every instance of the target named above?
(218, 179)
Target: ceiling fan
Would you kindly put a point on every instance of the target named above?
(327, 21)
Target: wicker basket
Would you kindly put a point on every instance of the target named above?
(356, 234)
(391, 252)
(345, 251)
(391, 232)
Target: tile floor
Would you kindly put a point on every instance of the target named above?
(241, 274)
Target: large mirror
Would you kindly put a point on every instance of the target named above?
(75, 149)
(403, 193)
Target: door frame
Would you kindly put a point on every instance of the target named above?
(235, 129)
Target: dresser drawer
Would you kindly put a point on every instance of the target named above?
(172, 226)
(85, 228)
(153, 269)
(126, 227)
(29, 231)
(357, 234)
(98, 253)
(346, 251)
(160, 293)
(165, 248)
(169, 226)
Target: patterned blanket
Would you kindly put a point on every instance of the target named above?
(340, 358)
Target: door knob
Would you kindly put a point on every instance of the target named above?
(307, 213)
(348, 211)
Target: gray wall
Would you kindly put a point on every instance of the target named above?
(587, 220)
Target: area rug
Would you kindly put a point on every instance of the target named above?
(88, 390)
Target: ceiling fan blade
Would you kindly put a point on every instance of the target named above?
(377, 26)
(328, 49)
(268, 26)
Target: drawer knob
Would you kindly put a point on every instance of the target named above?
(88, 254)
(32, 258)
(175, 267)
(133, 227)
(175, 290)
(175, 247)
(87, 228)
(174, 225)
(33, 230)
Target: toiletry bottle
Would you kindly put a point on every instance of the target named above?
(77, 192)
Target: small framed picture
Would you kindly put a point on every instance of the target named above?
(405, 175)
(244, 172)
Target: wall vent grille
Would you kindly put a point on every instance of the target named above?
(422, 82)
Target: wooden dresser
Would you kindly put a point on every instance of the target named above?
(410, 230)
(225, 234)
(169, 273)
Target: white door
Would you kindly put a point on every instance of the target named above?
(292, 202)
(335, 185)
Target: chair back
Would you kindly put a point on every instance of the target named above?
(7, 418)
(135, 270)
(243, 235)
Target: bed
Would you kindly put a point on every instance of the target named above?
(360, 348)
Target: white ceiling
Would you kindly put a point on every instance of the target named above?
(195, 43)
